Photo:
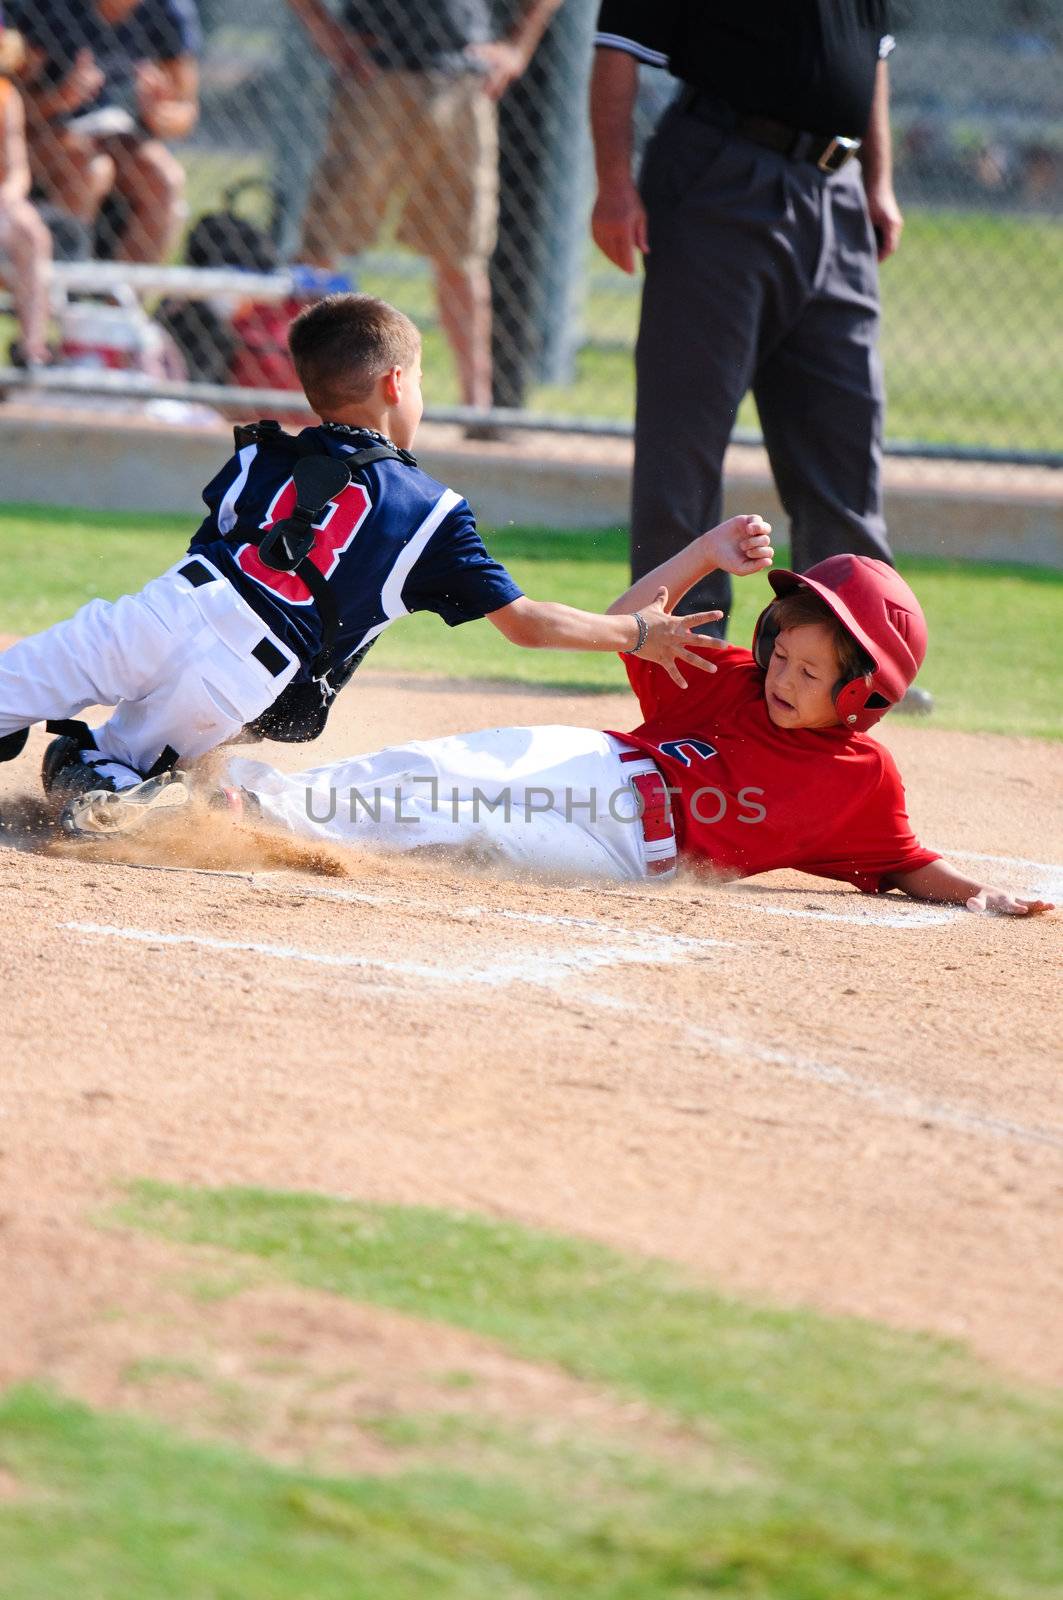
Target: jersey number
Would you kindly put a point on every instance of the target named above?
(687, 750)
(335, 530)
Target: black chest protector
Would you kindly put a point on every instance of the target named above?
(301, 710)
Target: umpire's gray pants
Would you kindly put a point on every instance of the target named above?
(761, 274)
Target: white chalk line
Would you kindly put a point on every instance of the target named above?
(550, 969)
(1050, 883)
(897, 1102)
(1001, 861)
(279, 952)
(909, 916)
(894, 1102)
(872, 916)
(650, 936)
(888, 914)
(640, 947)
(279, 883)
(541, 968)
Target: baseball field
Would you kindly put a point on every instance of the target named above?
(397, 1228)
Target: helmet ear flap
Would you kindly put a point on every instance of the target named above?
(853, 695)
(765, 635)
(850, 696)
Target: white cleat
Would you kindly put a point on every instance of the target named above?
(126, 810)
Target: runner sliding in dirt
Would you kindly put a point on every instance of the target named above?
(764, 761)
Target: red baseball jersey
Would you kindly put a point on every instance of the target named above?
(751, 797)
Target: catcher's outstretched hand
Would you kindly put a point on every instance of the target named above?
(998, 902)
(671, 640)
(742, 545)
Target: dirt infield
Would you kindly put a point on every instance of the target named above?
(804, 1094)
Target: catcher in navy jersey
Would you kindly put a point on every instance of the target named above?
(311, 547)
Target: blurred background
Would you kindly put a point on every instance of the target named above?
(227, 139)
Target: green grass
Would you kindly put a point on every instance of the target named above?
(996, 654)
(972, 343)
(113, 1506)
(56, 560)
(821, 1459)
(824, 1459)
(971, 335)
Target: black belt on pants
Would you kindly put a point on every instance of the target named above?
(265, 651)
(829, 152)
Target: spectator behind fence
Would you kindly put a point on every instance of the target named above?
(760, 235)
(414, 117)
(24, 240)
(107, 83)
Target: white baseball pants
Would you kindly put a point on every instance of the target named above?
(555, 799)
(174, 660)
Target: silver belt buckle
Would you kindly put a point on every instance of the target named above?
(838, 152)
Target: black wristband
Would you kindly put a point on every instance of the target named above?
(644, 630)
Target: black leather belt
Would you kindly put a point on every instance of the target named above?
(195, 573)
(265, 651)
(829, 152)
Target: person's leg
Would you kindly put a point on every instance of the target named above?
(98, 656)
(548, 799)
(819, 390)
(464, 294)
(151, 181)
(72, 170)
(206, 686)
(711, 207)
(102, 655)
(451, 214)
(359, 166)
(173, 679)
(301, 96)
(211, 683)
(28, 245)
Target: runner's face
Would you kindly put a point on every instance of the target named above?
(802, 673)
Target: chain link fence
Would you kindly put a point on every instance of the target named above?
(447, 166)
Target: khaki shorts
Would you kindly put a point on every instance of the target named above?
(426, 142)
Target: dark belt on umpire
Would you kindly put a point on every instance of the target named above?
(828, 152)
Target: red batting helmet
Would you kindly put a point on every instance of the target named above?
(873, 604)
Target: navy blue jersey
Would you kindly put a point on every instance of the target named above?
(392, 542)
(155, 30)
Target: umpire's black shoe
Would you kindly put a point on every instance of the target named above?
(64, 772)
(916, 703)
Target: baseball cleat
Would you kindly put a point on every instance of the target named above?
(103, 811)
(63, 771)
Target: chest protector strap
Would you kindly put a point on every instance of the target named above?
(318, 478)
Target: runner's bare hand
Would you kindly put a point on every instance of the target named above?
(998, 902)
(741, 545)
(671, 640)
